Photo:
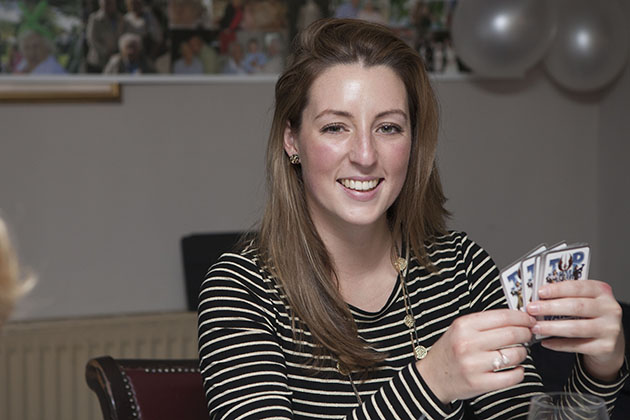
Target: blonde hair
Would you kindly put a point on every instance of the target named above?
(10, 286)
(287, 240)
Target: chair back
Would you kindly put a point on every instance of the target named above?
(142, 389)
(199, 252)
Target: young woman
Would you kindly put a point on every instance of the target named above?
(353, 300)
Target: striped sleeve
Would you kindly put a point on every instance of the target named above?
(241, 362)
(580, 381)
(406, 396)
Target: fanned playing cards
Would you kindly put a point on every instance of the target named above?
(522, 279)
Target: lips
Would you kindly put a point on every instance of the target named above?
(360, 185)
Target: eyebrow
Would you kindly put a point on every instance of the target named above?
(392, 111)
(333, 112)
(349, 115)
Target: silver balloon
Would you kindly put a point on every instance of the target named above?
(502, 38)
(591, 44)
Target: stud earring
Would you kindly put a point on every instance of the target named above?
(294, 159)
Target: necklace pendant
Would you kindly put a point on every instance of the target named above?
(420, 352)
(400, 264)
(342, 369)
(409, 321)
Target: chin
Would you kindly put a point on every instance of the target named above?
(365, 219)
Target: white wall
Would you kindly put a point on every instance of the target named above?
(519, 164)
(614, 180)
(99, 195)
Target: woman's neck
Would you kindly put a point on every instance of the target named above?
(362, 257)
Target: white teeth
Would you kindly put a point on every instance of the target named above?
(359, 185)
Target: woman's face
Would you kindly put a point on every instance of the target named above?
(354, 145)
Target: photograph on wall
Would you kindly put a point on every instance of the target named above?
(38, 38)
(425, 25)
(197, 37)
(252, 36)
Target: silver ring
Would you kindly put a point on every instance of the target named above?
(504, 358)
(496, 363)
(500, 361)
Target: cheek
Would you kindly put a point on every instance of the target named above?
(319, 159)
(320, 162)
(399, 159)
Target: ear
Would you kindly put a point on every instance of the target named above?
(290, 141)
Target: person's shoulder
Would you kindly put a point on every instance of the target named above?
(238, 281)
(244, 257)
(449, 240)
(241, 268)
(451, 246)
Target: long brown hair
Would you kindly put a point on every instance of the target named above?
(287, 239)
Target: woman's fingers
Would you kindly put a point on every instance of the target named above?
(503, 337)
(577, 328)
(596, 331)
(572, 306)
(509, 357)
(498, 380)
(473, 355)
(472, 334)
(583, 299)
(494, 360)
(572, 345)
(578, 288)
(488, 320)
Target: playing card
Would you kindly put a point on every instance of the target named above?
(538, 268)
(512, 285)
(569, 263)
(527, 273)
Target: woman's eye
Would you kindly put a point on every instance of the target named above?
(389, 129)
(333, 128)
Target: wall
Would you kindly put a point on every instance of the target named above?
(99, 195)
(510, 155)
(614, 181)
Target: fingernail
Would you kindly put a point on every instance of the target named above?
(536, 329)
(532, 320)
(544, 292)
(533, 308)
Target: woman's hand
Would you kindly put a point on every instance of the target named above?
(463, 362)
(598, 335)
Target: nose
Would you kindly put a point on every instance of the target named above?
(362, 150)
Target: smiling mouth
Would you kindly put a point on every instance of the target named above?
(363, 186)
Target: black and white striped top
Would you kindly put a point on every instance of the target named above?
(252, 367)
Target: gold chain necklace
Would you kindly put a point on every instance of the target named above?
(419, 352)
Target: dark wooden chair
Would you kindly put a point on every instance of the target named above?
(142, 389)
